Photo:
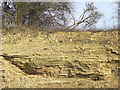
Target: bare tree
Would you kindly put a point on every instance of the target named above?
(89, 17)
(37, 14)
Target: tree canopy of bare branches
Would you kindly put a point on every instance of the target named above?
(47, 14)
(89, 17)
(38, 14)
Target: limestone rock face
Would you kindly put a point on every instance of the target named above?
(87, 54)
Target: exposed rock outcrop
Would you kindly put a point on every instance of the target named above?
(65, 54)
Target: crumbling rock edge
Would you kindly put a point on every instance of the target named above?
(86, 54)
(67, 69)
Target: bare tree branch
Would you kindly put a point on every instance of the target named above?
(89, 17)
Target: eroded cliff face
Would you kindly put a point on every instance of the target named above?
(93, 55)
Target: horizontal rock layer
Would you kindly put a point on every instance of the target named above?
(92, 55)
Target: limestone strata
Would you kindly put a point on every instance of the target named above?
(65, 54)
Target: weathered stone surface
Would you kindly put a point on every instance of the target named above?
(91, 55)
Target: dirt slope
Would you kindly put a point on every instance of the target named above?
(60, 59)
